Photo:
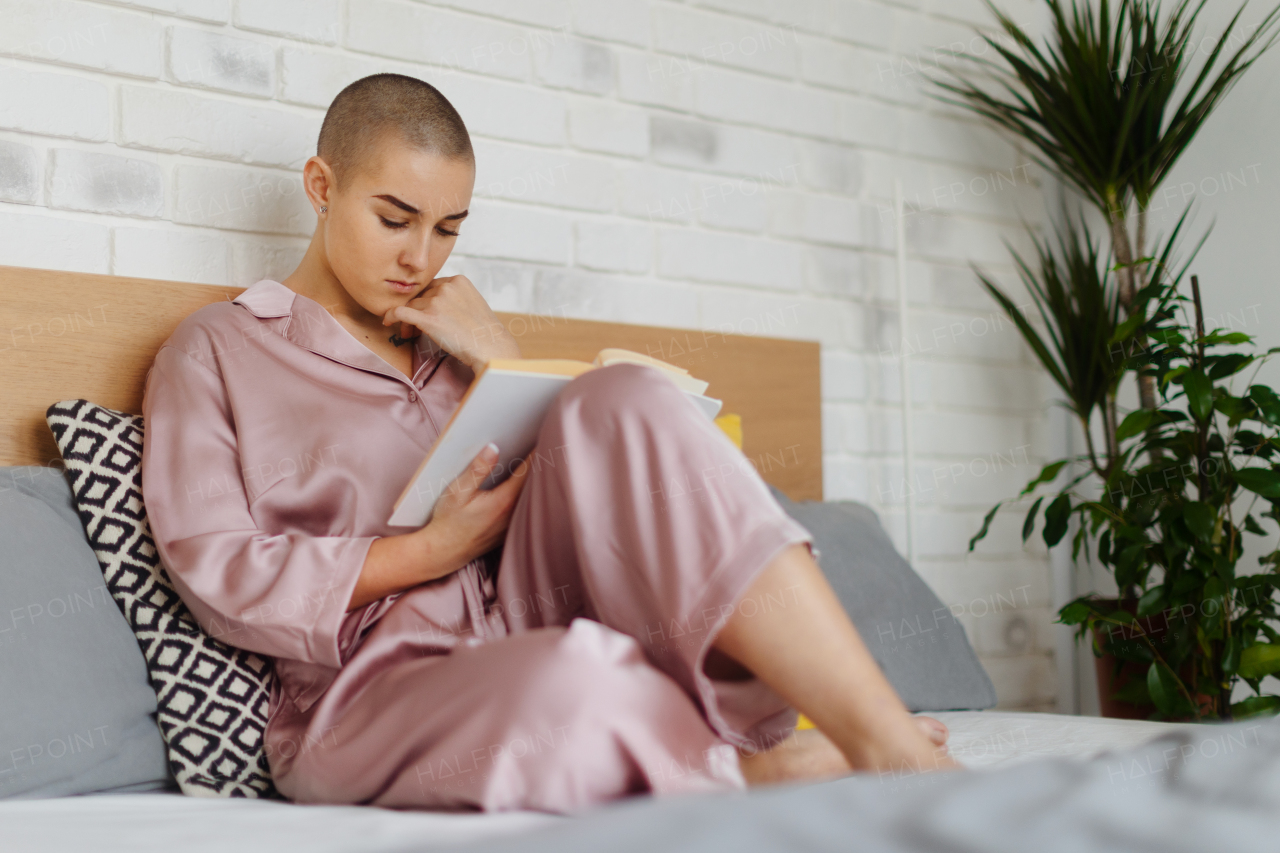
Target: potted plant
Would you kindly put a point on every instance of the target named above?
(1108, 105)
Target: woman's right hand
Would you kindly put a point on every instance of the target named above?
(469, 521)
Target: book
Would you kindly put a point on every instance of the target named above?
(505, 405)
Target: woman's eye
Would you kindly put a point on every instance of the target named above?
(446, 232)
(391, 224)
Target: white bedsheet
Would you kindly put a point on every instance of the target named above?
(172, 823)
(165, 823)
(981, 739)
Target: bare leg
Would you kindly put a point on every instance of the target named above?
(813, 657)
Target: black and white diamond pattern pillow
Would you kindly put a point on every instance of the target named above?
(212, 698)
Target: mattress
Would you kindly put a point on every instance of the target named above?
(164, 822)
(988, 739)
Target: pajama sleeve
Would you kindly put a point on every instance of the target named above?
(282, 594)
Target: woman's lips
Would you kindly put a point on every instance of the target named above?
(402, 287)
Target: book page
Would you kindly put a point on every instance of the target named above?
(505, 404)
(612, 355)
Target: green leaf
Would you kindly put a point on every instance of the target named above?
(1074, 613)
(1234, 408)
(1199, 390)
(1029, 526)
(1251, 524)
(1104, 547)
(1173, 373)
(1268, 403)
(1168, 337)
(1186, 583)
(1134, 692)
(1126, 329)
(1151, 601)
(986, 526)
(1256, 706)
(1200, 518)
(1231, 338)
(1047, 475)
(1259, 660)
(1055, 520)
(1129, 564)
(1229, 365)
(1261, 481)
(1231, 656)
(1163, 688)
(1123, 617)
(1135, 423)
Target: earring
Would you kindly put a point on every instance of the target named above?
(324, 210)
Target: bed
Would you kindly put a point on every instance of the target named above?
(1049, 758)
(1038, 781)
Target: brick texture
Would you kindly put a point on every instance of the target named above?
(726, 163)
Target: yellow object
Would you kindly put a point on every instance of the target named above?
(804, 723)
(732, 426)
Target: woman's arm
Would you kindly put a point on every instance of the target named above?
(283, 595)
(467, 523)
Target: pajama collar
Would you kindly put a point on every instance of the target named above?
(311, 327)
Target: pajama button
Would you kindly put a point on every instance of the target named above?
(413, 398)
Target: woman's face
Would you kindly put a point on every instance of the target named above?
(392, 224)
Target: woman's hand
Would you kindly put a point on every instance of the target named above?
(467, 523)
(454, 314)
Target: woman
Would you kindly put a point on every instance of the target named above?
(565, 638)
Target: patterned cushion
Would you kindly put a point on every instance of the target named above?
(212, 698)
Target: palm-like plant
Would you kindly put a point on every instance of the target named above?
(1110, 104)
(1077, 303)
(1087, 345)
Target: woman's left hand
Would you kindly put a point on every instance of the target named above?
(454, 315)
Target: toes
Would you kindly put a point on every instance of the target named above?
(933, 729)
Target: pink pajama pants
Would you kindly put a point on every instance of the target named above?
(575, 676)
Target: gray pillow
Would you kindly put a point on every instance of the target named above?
(76, 709)
(919, 644)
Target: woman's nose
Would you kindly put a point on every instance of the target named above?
(417, 255)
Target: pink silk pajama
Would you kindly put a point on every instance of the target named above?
(559, 671)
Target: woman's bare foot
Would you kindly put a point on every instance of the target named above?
(901, 746)
(806, 755)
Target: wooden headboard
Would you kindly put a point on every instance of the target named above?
(70, 335)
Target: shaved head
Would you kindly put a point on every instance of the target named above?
(389, 104)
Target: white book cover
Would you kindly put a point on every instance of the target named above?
(505, 407)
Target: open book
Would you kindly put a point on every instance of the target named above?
(506, 404)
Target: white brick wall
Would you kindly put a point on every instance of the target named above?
(690, 163)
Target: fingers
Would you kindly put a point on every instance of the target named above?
(506, 492)
(468, 482)
(509, 489)
(479, 518)
(407, 315)
(402, 314)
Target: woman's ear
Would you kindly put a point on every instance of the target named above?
(317, 181)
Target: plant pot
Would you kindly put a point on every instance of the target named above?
(1111, 682)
